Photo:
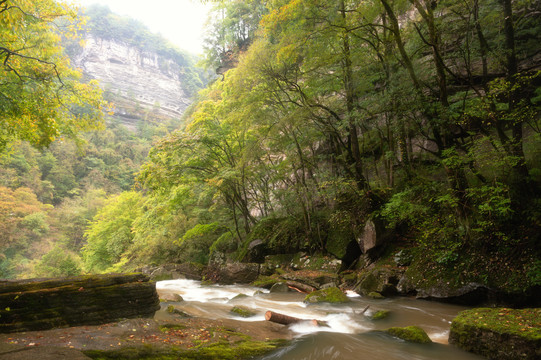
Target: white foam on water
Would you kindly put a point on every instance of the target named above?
(352, 294)
(192, 290)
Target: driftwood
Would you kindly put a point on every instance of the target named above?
(287, 320)
(300, 287)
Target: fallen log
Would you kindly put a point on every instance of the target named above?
(300, 287)
(287, 320)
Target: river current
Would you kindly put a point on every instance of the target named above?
(348, 334)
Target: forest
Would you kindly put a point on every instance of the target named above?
(419, 116)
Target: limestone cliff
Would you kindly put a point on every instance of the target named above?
(134, 78)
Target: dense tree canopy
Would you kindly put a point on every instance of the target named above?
(41, 96)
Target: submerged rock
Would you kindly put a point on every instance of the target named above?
(280, 287)
(381, 314)
(499, 333)
(410, 333)
(330, 295)
(83, 300)
(242, 311)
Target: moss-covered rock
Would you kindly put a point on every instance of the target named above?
(245, 349)
(173, 310)
(280, 287)
(381, 279)
(499, 333)
(331, 295)
(410, 333)
(375, 295)
(379, 315)
(83, 300)
(265, 282)
(242, 311)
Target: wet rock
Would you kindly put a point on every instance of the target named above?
(375, 295)
(331, 295)
(280, 287)
(173, 310)
(379, 315)
(242, 311)
(83, 300)
(382, 280)
(472, 293)
(498, 333)
(171, 297)
(410, 333)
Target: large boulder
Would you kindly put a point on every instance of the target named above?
(84, 300)
(235, 273)
(410, 333)
(498, 333)
(331, 295)
(379, 279)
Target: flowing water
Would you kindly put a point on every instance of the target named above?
(348, 334)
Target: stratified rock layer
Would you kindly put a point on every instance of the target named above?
(85, 300)
(138, 77)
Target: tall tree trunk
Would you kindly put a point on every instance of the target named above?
(351, 104)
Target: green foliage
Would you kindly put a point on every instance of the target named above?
(57, 263)
(110, 233)
(41, 96)
(196, 243)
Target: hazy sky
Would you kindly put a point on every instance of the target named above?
(179, 21)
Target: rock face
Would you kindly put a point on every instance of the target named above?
(83, 300)
(498, 333)
(134, 77)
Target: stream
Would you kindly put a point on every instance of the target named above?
(349, 335)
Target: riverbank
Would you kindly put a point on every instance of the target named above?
(196, 338)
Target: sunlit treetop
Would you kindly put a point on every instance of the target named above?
(41, 96)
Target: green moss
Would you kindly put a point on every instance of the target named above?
(168, 327)
(242, 311)
(224, 351)
(338, 240)
(172, 310)
(163, 277)
(331, 295)
(265, 281)
(375, 295)
(410, 333)
(381, 314)
(525, 323)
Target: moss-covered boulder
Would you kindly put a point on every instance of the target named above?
(379, 315)
(331, 295)
(381, 279)
(410, 333)
(499, 333)
(375, 295)
(83, 300)
(242, 311)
